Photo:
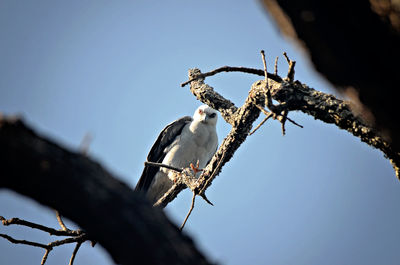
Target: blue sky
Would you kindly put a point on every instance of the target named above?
(113, 69)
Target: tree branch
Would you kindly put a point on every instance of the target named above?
(51, 231)
(120, 219)
(235, 69)
(24, 242)
(327, 108)
(294, 96)
(291, 96)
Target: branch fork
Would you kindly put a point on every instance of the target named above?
(277, 112)
(73, 236)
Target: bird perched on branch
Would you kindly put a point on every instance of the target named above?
(184, 142)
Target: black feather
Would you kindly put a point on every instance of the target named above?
(157, 152)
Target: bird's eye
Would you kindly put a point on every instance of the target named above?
(201, 111)
(212, 115)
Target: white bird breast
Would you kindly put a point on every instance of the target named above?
(198, 141)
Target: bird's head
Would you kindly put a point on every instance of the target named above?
(206, 115)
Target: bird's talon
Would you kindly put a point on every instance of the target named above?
(196, 168)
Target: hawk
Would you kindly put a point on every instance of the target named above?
(184, 141)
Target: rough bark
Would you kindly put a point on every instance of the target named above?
(241, 119)
(292, 96)
(122, 221)
(355, 45)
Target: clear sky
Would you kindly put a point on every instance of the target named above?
(113, 69)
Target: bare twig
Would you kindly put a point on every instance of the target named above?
(69, 240)
(277, 112)
(286, 57)
(276, 66)
(60, 221)
(49, 247)
(77, 246)
(263, 110)
(282, 117)
(75, 235)
(261, 123)
(203, 195)
(272, 114)
(190, 211)
(51, 231)
(265, 68)
(295, 123)
(268, 98)
(45, 255)
(24, 242)
(290, 74)
(232, 69)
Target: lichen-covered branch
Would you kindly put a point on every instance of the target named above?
(292, 96)
(329, 109)
(297, 96)
(242, 120)
(207, 95)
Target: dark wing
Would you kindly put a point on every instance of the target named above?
(157, 152)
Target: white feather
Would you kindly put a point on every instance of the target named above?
(198, 141)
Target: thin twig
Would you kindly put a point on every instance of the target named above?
(268, 98)
(68, 240)
(265, 68)
(295, 123)
(263, 110)
(203, 195)
(290, 74)
(154, 164)
(286, 57)
(24, 242)
(51, 231)
(45, 255)
(77, 246)
(60, 221)
(269, 113)
(281, 117)
(233, 69)
(75, 235)
(190, 211)
(276, 66)
(261, 123)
